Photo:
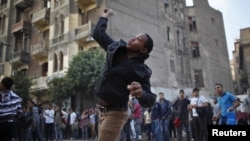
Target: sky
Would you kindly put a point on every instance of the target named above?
(236, 16)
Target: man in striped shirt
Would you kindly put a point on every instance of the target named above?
(10, 108)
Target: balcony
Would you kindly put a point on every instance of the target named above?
(40, 19)
(83, 33)
(40, 50)
(21, 26)
(20, 58)
(23, 4)
(5, 69)
(86, 5)
(39, 83)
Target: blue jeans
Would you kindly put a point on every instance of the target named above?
(137, 124)
(58, 132)
(35, 129)
(223, 120)
(165, 129)
(85, 132)
(156, 127)
(184, 125)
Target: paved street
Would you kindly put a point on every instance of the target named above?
(144, 138)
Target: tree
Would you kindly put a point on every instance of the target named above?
(81, 78)
(58, 90)
(83, 74)
(22, 84)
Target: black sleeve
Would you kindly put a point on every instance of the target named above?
(100, 35)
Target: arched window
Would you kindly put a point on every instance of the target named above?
(55, 63)
(61, 60)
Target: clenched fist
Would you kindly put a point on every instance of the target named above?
(108, 13)
(135, 89)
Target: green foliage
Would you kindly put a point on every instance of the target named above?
(81, 77)
(58, 90)
(84, 71)
(22, 84)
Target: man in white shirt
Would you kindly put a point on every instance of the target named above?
(199, 122)
(49, 123)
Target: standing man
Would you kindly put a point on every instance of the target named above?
(49, 115)
(227, 102)
(155, 116)
(136, 116)
(125, 73)
(246, 103)
(182, 112)
(199, 122)
(10, 106)
(165, 114)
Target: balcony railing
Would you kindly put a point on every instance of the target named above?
(23, 4)
(21, 26)
(40, 19)
(39, 83)
(20, 58)
(86, 5)
(40, 50)
(82, 33)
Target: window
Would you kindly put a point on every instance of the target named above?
(198, 77)
(172, 66)
(62, 24)
(212, 21)
(61, 61)
(195, 49)
(192, 23)
(45, 69)
(168, 33)
(1, 53)
(165, 5)
(55, 62)
(3, 2)
(216, 42)
(84, 17)
(56, 27)
(178, 37)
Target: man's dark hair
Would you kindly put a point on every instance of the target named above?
(196, 89)
(181, 91)
(149, 44)
(7, 82)
(218, 84)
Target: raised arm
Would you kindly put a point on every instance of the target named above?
(99, 33)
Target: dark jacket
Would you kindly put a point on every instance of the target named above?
(156, 111)
(119, 73)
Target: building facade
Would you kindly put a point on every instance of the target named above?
(41, 37)
(241, 61)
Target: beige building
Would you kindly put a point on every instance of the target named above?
(40, 38)
(241, 59)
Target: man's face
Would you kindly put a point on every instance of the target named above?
(218, 89)
(137, 43)
(196, 93)
(181, 94)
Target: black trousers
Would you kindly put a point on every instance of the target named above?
(7, 131)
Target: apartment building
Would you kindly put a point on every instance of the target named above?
(40, 38)
(241, 61)
(209, 61)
